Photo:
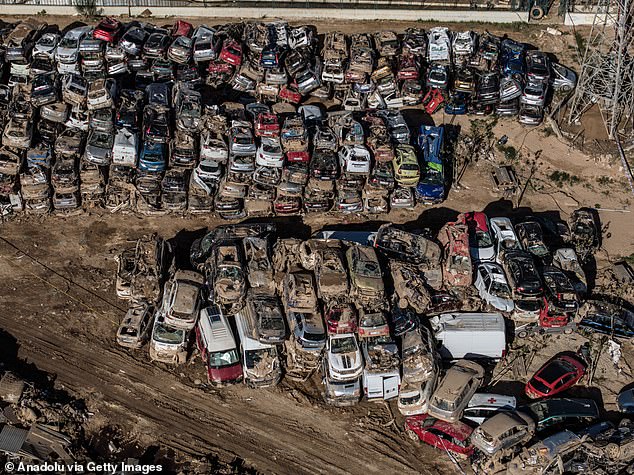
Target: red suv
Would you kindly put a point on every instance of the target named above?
(556, 375)
(108, 29)
(231, 52)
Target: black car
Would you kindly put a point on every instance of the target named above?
(156, 45)
(608, 318)
(317, 202)
(142, 79)
(44, 89)
(49, 131)
(571, 413)
(324, 165)
(158, 95)
(531, 237)
(522, 274)
(295, 61)
(382, 175)
(488, 88)
(559, 290)
(403, 320)
(156, 125)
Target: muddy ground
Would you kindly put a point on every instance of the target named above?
(58, 302)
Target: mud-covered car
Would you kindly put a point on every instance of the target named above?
(259, 267)
(182, 299)
(126, 264)
(18, 134)
(299, 292)
(608, 318)
(372, 323)
(503, 431)
(457, 267)
(330, 273)
(266, 313)
(493, 287)
(341, 318)
(69, 143)
(407, 246)
(366, 277)
(135, 327)
(227, 274)
(446, 436)
(454, 391)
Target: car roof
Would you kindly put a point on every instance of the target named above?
(492, 401)
(501, 422)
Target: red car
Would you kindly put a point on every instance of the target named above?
(341, 318)
(297, 157)
(108, 29)
(231, 52)
(440, 434)
(182, 28)
(407, 68)
(556, 375)
(267, 125)
(550, 318)
(289, 93)
(285, 204)
(433, 100)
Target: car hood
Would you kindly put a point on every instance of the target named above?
(228, 373)
(344, 361)
(430, 191)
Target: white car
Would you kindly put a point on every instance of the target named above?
(534, 94)
(300, 36)
(213, 147)
(464, 43)
(101, 94)
(413, 398)
(354, 159)
(208, 171)
(205, 44)
(68, 48)
(344, 357)
(46, 46)
(438, 44)
(270, 153)
(493, 287)
(181, 299)
(483, 405)
(504, 237)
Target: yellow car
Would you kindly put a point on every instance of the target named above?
(406, 168)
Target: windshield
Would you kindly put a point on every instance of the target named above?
(500, 289)
(68, 43)
(101, 140)
(223, 358)
(483, 239)
(253, 358)
(444, 405)
(169, 335)
(408, 400)
(343, 345)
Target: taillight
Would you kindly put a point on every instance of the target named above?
(503, 353)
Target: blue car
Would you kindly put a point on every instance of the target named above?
(431, 187)
(512, 57)
(457, 104)
(609, 319)
(153, 157)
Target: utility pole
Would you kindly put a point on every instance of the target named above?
(607, 70)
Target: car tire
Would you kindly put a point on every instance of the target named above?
(565, 89)
(537, 13)
(412, 435)
(613, 451)
(568, 331)
(522, 334)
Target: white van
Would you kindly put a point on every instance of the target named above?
(125, 148)
(379, 385)
(470, 335)
(217, 346)
(261, 363)
(485, 405)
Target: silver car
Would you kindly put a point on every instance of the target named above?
(99, 147)
(503, 431)
(493, 287)
(455, 390)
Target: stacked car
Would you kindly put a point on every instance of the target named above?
(131, 102)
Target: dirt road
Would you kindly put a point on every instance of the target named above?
(269, 429)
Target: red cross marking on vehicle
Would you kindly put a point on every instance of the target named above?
(491, 400)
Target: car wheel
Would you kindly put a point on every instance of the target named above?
(566, 88)
(568, 331)
(613, 451)
(522, 334)
(412, 435)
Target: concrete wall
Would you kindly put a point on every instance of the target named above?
(289, 13)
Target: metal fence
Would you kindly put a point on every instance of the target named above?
(468, 5)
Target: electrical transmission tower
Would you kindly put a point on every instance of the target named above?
(607, 71)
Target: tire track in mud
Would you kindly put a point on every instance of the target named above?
(197, 423)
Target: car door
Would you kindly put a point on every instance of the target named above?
(390, 387)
